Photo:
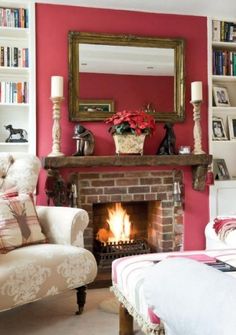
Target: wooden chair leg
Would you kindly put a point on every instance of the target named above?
(81, 299)
(126, 322)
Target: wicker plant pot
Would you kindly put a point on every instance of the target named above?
(129, 144)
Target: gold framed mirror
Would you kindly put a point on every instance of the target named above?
(156, 63)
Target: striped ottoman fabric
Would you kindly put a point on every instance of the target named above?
(128, 281)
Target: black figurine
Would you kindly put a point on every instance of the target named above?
(16, 134)
(84, 141)
(167, 146)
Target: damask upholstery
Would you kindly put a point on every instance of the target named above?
(35, 271)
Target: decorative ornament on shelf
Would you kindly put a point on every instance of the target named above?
(129, 129)
(167, 146)
(84, 141)
(196, 100)
(56, 98)
(16, 134)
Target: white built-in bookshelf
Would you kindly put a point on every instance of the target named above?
(17, 74)
(222, 108)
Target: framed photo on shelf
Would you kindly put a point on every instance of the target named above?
(218, 130)
(221, 97)
(220, 169)
(94, 106)
(232, 127)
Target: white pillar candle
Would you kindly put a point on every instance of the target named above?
(56, 86)
(196, 91)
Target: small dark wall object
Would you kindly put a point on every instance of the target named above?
(55, 189)
(16, 134)
(167, 146)
(84, 141)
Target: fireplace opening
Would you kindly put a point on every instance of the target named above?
(120, 229)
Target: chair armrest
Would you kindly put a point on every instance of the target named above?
(63, 225)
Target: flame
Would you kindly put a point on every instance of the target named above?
(119, 224)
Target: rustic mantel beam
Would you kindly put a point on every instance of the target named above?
(199, 163)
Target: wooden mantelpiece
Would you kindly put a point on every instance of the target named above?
(199, 163)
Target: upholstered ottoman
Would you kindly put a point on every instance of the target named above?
(134, 278)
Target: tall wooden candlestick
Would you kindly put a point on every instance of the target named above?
(56, 129)
(197, 132)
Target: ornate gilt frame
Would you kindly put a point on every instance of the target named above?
(74, 38)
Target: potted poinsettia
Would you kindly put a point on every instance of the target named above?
(129, 129)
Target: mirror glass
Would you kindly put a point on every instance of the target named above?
(110, 73)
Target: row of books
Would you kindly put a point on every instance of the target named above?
(14, 17)
(224, 62)
(14, 92)
(14, 57)
(223, 31)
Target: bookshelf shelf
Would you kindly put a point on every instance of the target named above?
(228, 45)
(224, 78)
(14, 32)
(226, 142)
(11, 144)
(222, 74)
(17, 42)
(10, 105)
(14, 70)
(224, 109)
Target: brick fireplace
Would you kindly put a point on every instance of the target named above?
(166, 229)
(146, 194)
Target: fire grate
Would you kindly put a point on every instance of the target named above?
(105, 253)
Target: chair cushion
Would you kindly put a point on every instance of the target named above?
(36, 271)
(19, 171)
(19, 224)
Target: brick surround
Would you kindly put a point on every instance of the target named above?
(165, 222)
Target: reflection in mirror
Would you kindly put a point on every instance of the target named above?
(130, 72)
(149, 72)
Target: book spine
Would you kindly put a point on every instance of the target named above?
(216, 30)
(3, 91)
(26, 57)
(230, 63)
(222, 31)
(2, 56)
(16, 18)
(26, 18)
(234, 63)
(19, 56)
(231, 30)
(15, 57)
(1, 17)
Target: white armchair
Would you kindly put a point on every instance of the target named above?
(35, 271)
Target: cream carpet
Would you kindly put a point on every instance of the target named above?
(55, 316)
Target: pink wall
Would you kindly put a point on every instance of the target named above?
(142, 90)
(52, 25)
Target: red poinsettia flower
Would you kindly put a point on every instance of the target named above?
(136, 122)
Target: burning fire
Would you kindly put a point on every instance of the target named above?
(119, 224)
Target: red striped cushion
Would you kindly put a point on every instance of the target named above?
(19, 224)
